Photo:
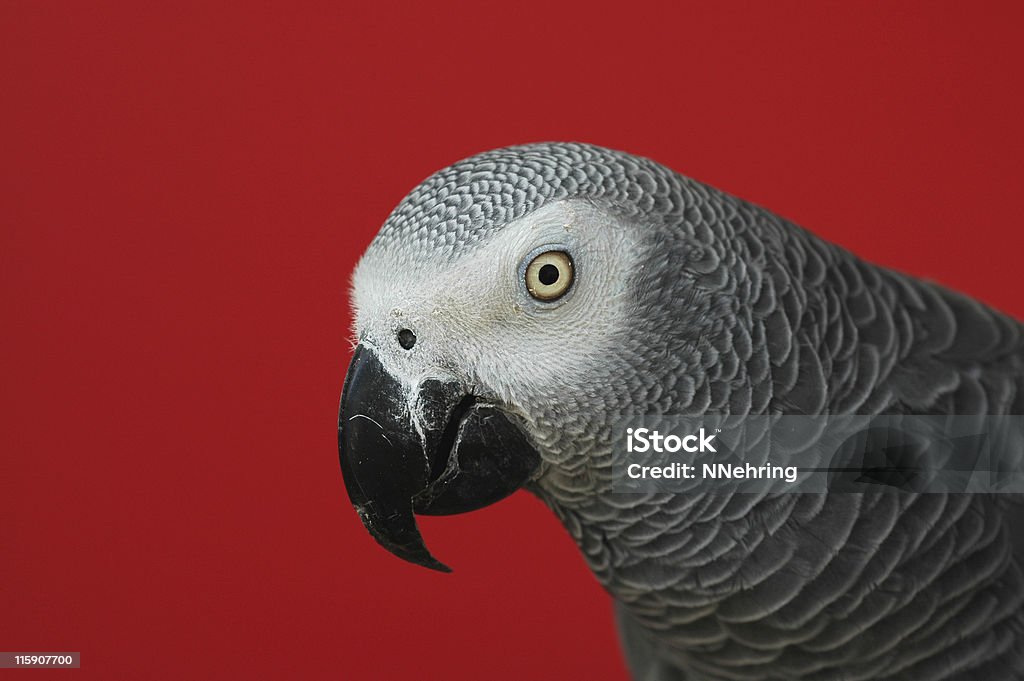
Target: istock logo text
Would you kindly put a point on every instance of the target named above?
(644, 439)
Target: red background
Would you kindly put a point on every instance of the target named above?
(185, 191)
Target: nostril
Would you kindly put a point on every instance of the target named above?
(406, 339)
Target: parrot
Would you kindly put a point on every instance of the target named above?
(516, 305)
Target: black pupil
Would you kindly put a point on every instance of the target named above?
(548, 275)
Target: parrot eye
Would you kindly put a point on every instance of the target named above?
(549, 275)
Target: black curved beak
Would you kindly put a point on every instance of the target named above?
(455, 456)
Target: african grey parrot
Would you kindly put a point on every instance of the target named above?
(516, 304)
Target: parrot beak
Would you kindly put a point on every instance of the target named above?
(461, 455)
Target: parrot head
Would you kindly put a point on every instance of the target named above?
(504, 315)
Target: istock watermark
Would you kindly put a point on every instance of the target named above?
(644, 439)
(922, 454)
